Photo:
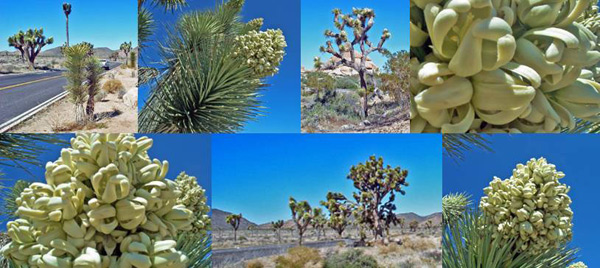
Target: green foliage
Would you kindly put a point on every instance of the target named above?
(8, 197)
(453, 206)
(75, 63)
(397, 75)
(469, 242)
(346, 82)
(168, 5)
(30, 43)
(194, 198)
(298, 257)
(132, 59)
(456, 144)
(112, 86)
(146, 26)
(353, 258)
(197, 249)
(217, 92)
(93, 76)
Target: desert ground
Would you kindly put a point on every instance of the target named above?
(115, 113)
(339, 110)
(409, 248)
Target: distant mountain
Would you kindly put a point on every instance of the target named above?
(218, 220)
(100, 52)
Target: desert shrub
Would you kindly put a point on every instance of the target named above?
(112, 86)
(122, 93)
(298, 257)
(346, 82)
(255, 264)
(388, 249)
(419, 244)
(354, 258)
(100, 96)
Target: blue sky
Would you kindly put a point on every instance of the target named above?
(256, 174)
(575, 155)
(106, 23)
(317, 17)
(282, 97)
(190, 153)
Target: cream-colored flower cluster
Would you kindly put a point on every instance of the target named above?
(105, 203)
(262, 50)
(502, 65)
(194, 199)
(578, 265)
(531, 206)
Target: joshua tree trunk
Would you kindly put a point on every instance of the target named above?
(300, 235)
(363, 85)
(68, 30)
(30, 60)
(89, 109)
(234, 235)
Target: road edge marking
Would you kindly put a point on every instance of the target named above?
(5, 127)
(30, 82)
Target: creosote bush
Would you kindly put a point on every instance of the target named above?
(105, 203)
(299, 257)
(353, 258)
(532, 206)
(112, 86)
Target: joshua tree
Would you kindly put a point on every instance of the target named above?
(30, 44)
(339, 212)
(234, 220)
(401, 224)
(375, 183)
(114, 56)
(67, 10)
(126, 48)
(132, 59)
(319, 221)
(360, 22)
(301, 215)
(277, 225)
(93, 75)
(76, 62)
(429, 225)
(413, 226)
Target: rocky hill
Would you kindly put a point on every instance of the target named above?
(330, 65)
(218, 220)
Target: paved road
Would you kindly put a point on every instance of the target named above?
(20, 93)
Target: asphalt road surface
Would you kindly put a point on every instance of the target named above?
(20, 93)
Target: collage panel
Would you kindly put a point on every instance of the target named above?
(520, 201)
(504, 66)
(219, 66)
(351, 200)
(68, 67)
(105, 200)
(355, 67)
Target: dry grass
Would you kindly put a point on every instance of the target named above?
(255, 264)
(113, 86)
(73, 127)
(299, 257)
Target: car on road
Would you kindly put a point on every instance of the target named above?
(104, 64)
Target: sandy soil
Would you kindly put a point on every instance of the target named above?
(10, 63)
(421, 248)
(114, 115)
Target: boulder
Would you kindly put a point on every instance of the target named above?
(131, 97)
